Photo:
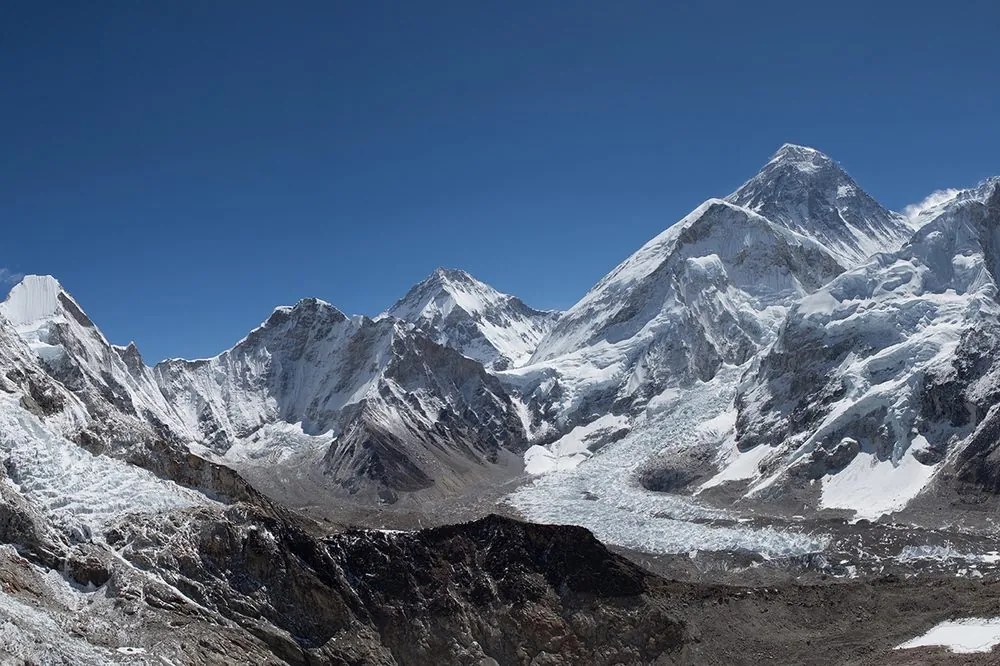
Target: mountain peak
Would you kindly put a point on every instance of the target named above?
(454, 273)
(34, 298)
(446, 276)
(809, 193)
(801, 158)
(305, 308)
(468, 315)
(441, 283)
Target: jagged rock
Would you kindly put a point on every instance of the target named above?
(493, 589)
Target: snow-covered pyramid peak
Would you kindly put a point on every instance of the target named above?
(468, 315)
(803, 158)
(43, 313)
(442, 291)
(35, 298)
(806, 191)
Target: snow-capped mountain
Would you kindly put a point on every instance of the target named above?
(713, 289)
(448, 388)
(806, 191)
(880, 378)
(378, 406)
(709, 290)
(460, 312)
(370, 407)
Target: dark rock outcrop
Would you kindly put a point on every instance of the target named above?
(492, 591)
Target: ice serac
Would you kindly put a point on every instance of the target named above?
(460, 312)
(880, 376)
(379, 407)
(708, 291)
(806, 191)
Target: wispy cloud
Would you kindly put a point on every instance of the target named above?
(9, 278)
(933, 199)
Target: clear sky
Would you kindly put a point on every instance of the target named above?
(183, 167)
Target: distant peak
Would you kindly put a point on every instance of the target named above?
(39, 282)
(34, 298)
(317, 305)
(803, 157)
(306, 307)
(453, 274)
(796, 148)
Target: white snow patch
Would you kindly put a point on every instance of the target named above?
(33, 298)
(572, 448)
(968, 635)
(737, 465)
(873, 487)
(820, 303)
(944, 553)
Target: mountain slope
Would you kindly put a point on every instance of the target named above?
(379, 408)
(460, 312)
(119, 392)
(806, 191)
(708, 291)
(880, 377)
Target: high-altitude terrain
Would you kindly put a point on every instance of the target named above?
(771, 432)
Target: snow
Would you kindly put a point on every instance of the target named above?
(473, 318)
(736, 466)
(820, 303)
(277, 444)
(807, 192)
(963, 636)
(572, 448)
(301, 368)
(871, 487)
(712, 288)
(945, 553)
(603, 494)
(35, 297)
(80, 492)
(58, 332)
(923, 211)
(32, 307)
(891, 326)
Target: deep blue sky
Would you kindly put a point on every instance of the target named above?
(183, 167)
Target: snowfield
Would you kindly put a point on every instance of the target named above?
(961, 636)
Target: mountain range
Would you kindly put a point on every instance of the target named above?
(794, 347)
(825, 296)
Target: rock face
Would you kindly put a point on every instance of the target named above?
(458, 311)
(397, 411)
(488, 592)
(889, 367)
(807, 192)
